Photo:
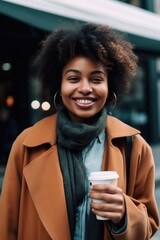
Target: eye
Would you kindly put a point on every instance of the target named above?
(73, 79)
(97, 79)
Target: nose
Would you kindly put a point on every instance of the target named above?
(85, 87)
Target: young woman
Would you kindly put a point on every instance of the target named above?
(46, 193)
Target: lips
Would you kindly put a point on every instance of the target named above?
(84, 101)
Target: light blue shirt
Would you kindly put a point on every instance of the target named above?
(92, 157)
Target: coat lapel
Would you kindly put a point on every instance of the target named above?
(114, 158)
(116, 163)
(113, 161)
(45, 183)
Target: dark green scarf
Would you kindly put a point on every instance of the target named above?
(72, 137)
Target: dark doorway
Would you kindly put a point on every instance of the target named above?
(18, 45)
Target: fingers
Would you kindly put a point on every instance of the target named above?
(105, 187)
(115, 217)
(108, 198)
(111, 205)
(107, 193)
(105, 207)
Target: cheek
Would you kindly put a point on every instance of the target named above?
(104, 93)
(65, 92)
(63, 95)
(63, 89)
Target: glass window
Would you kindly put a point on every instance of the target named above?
(145, 4)
(158, 95)
(141, 107)
(156, 5)
(137, 3)
(134, 108)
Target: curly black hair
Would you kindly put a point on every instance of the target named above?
(98, 42)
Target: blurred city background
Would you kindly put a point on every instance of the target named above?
(25, 23)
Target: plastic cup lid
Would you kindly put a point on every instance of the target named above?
(103, 175)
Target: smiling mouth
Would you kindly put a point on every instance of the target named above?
(84, 102)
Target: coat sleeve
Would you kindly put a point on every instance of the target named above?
(141, 207)
(11, 191)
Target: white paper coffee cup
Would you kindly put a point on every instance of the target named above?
(103, 177)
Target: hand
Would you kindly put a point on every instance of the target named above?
(114, 205)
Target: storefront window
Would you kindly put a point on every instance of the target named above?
(158, 95)
(150, 5)
(133, 109)
(137, 3)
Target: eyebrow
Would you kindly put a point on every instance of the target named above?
(72, 70)
(93, 72)
(98, 71)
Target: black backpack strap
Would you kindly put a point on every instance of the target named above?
(128, 158)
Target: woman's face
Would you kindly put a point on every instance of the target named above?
(84, 88)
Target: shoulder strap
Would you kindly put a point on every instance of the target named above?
(128, 158)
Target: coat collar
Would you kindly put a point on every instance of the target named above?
(44, 131)
(117, 128)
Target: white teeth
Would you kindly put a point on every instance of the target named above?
(84, 101)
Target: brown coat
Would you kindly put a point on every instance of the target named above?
(32, 203)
